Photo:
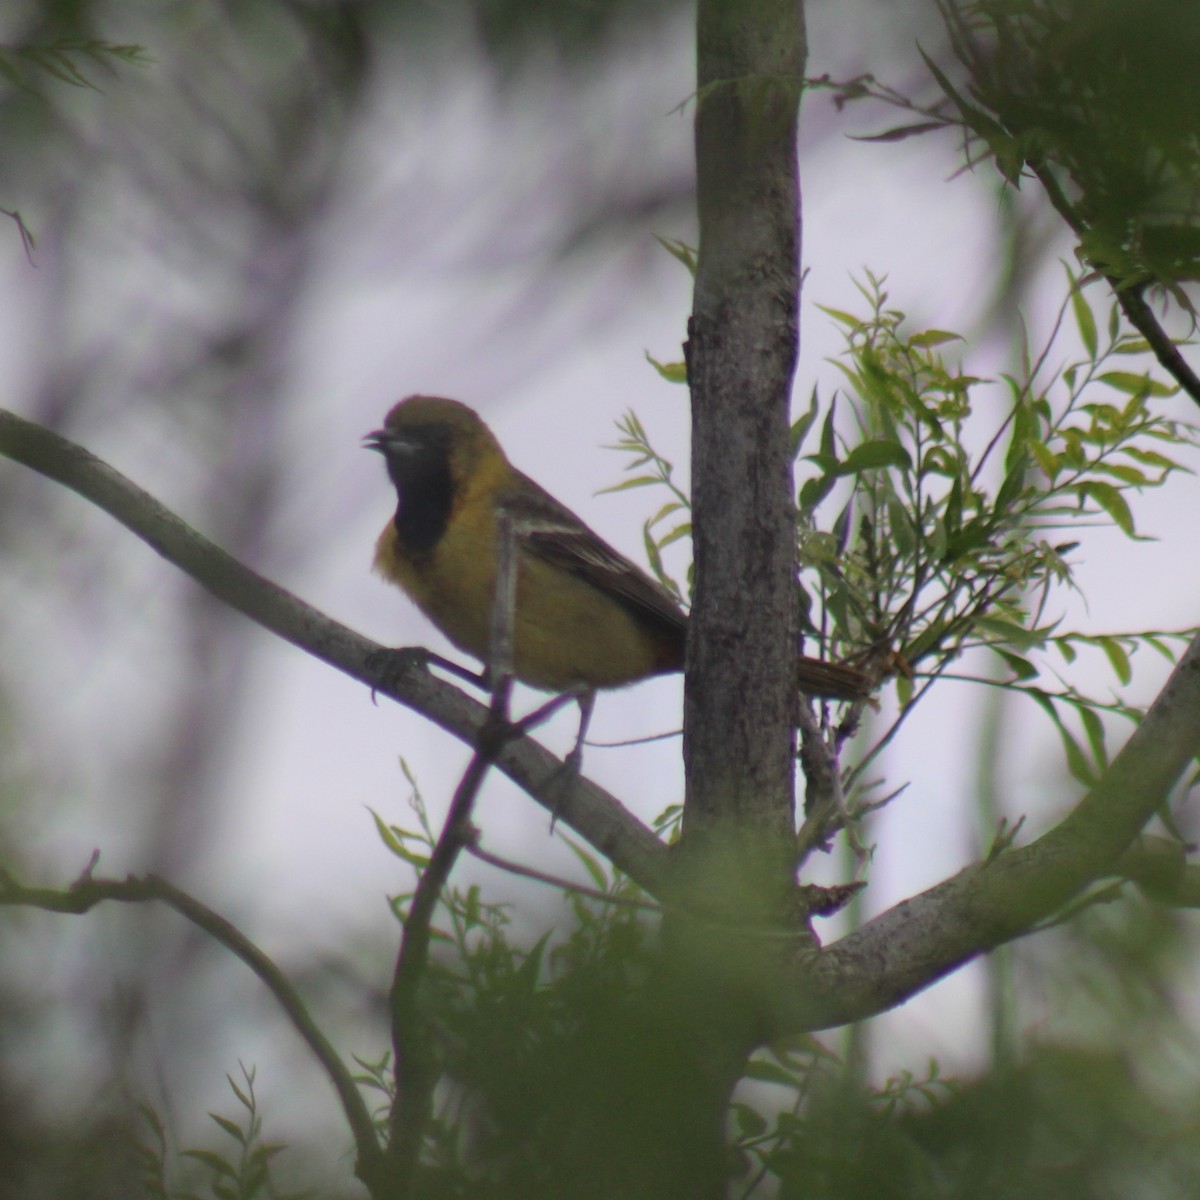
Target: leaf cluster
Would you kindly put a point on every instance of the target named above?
(241, 1174)
(1095, 99)
(70, 60)
(1101, 1103)
(1100, 93)
(957, 528)
(516, 1029)
(671, 522)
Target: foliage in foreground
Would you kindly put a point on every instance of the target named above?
(1101, 1103)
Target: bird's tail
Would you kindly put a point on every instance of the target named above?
(832, 681)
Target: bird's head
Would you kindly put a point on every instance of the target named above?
(424, 438)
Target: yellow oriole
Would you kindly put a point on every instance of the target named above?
(585, 617)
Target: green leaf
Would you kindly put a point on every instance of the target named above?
(666, 510)
(394, 839)
(749, 1121)
(1009, 633)
(1126, 474)
(878, 452)
(1117, 658)
(801, 426)
(1045, 458)
(766, 1071)
(899, 132)
(813, 491)
(1135, 385)
(627, 484)
(844, 318)
(230, 1128)
(672, 372)
(1003, 146)
(1132, 345)
(590, 862)
(1151, 458)
(680, 250)
(1085, 319)
(680, 531)
(934, 337)
(1094, 728)
(1077, 761)
(829, 433)
(214, 1162)
(1021, 668)
(1111, 500)
(530, 970)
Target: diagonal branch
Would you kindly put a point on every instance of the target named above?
(593, 813)
(416, 1064)
(926, 937)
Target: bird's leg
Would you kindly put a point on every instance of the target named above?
(586, 699)
(587, 702)
(504, 600)
(568, 772)
(500, 666)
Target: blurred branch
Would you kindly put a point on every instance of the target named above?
(1159, 866)
(417, 1070)
(27, 239)
(591, 811)
(87, 891)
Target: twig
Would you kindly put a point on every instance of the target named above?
(473, 848)
(416, 1069)
(827, 806)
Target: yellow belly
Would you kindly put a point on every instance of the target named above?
(566, 631)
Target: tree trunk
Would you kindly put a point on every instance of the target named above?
(737, 851)
(739, 708)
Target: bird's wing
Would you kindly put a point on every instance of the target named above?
(550, 531)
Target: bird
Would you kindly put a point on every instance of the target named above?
(585, 617)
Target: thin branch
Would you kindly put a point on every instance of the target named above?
(27, 239)
(416, 1063)
(87, 891)
(1130, 298)
(592, 812)
(474, 849)
(825, 804)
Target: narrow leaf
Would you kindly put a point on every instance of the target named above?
(1111, 500)
(934, 337)
(876, 453)
(672, 372)
(1085, 319)
(1117, 657)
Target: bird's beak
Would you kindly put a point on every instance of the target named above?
(377, 439)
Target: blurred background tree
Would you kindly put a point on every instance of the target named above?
(252, 236)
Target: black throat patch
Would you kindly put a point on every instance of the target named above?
(425, 490)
